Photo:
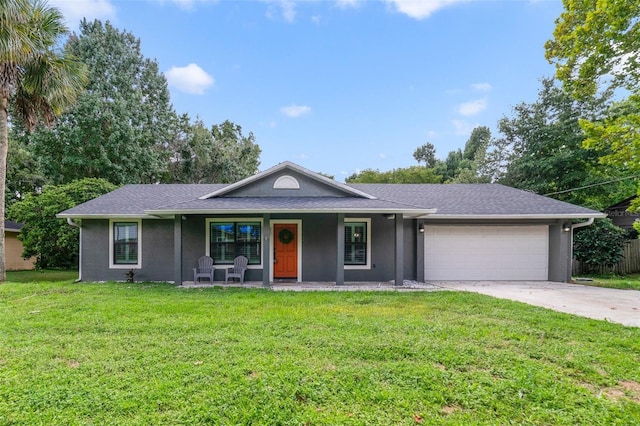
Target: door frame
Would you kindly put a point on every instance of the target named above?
(298, 224)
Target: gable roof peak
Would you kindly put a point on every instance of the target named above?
(288, 165)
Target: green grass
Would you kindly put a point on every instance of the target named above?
(49, 275)
(627, 282)
(119, 354)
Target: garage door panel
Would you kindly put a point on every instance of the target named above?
(473, 252)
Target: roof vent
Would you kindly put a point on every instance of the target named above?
(286, 182)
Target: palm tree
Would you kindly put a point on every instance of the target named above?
(36, 79)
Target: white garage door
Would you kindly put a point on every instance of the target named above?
(471, 252)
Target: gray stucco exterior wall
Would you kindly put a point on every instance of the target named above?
(559, 253)
(319, 249)
(157, 252)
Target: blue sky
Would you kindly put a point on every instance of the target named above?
(345, 85)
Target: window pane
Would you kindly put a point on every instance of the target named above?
(125, 243)
(355, 243)
(223, 252)
(222, 232)
(232, 239)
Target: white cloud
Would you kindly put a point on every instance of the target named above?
(472, 107)
(482, 87)
(382, 155)
(343, 4)
(287, 8)
(295, 110)
(188, 4)
(462, 127)
(190, 79)
(421, 9)
(75, 10)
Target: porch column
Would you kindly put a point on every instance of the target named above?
(399, 249)
(177, 249)
(340, 250)
(266, 249)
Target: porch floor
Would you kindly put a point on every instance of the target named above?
(319, 286)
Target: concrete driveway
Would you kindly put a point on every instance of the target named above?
(620, 306)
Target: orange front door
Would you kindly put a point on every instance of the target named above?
(285, 247)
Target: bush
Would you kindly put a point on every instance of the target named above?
(52, 241)
(600, 244)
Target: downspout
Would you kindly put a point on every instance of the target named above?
(574, 226)
(72, 223)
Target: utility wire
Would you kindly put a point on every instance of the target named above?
(592, 185)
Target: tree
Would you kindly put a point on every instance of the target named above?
(52, 241)
(601, 244)
(38, 80)
(220, 155)
(121, 125)
(596, 45)
(24, 175)
(413, 174)
(477, 143)
(596, 48)
(543, 141)
(427, 154)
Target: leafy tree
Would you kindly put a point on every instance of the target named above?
(413, 174)
(543, 143)
(595, 45)
(121, 124)
(220, 155)
(426, 154)
(24, 175)
(51, 240)
(477, 143)
(35, 79)
(596, 48)
(600, 244)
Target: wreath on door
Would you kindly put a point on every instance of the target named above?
(285, 236)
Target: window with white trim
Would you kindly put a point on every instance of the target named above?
(357, 243)
(228, 239)
(125, 243)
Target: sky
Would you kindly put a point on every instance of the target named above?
(339, 86)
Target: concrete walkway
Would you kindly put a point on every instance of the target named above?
(619, 306)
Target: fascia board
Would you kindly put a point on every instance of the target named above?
(517, 216)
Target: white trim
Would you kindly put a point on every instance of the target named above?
(298, 223)
(368, 221)
(207, 226)
(512, 216)
(286, 182)
(127, 266)
(407, 214)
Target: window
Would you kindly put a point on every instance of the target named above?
(356, 243)
(230, 239)
(124, 250)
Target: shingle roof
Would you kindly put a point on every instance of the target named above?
(475, 199)
(454, 200)
(135, 200)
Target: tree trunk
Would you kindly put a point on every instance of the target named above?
(4, 148)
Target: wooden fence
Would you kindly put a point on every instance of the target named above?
(630, 263)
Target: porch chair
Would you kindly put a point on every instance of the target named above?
(239, 266)
(204, 270)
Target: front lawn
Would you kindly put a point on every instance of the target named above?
(156, 354)
(40, 275)
(627, 282)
